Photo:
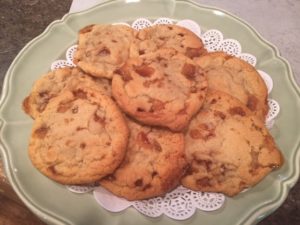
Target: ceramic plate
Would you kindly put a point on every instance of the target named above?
(56, 205)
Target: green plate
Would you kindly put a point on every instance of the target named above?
(56, 205)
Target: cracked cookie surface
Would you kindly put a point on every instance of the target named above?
(228, 148)
(164, 88)
(179, 38)
(79, 138)
(153, 165)
(103, 48)
(54, 82)
(238, 78)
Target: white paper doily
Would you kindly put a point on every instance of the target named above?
(181, 203)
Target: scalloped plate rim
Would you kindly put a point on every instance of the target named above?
(47, 216)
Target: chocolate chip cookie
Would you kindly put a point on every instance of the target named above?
(164, 88)
(228, 148)
(179, 38)
(52, 83)
(79, 138)
(238, 78)
(153, 165)
(103, 48)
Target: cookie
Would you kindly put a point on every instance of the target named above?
(238, 78)
(80, 137)
(168, 36)
(228, 148)
(164, 88)
(153, 165)
(103, 48)
(52, 83)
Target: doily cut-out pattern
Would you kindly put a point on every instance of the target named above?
(60, 64)
(274, 109)
(152, 207)
(163, 20)
(141, 24)
(231, 47)
(208, 201)
(248, 58)
(70, 54)
(181, 203)
(212, 39)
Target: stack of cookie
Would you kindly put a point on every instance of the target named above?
(145, 111)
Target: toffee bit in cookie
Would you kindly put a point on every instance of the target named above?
(203, 182)
(143, 139)
(254, 161)
(75, 110)
(124, 74)
(82, 145)
(195, 134)
(139, 109)
(157, 105)
(237, 111)
(41, 132)
(147, 186)
(99, 119)
(213, 101)
(227, 57)
(207, 164)
(80, 128)
(42, 106)
(103, 52)
(252, 102)
(182, 111)
(64, 106)
(144, 70)
(154, 173)
(52, 169)
(44, 94)
(141, 52)
(189, 70)
(87, 29)
(204, 132)
(156, 145)
(193, 52)
(139, 182)
(219, 114)
(80, 94)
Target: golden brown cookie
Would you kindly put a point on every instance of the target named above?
(164, 88)
(228, 148)
(168, 36)
(52, 83)
(103, 48)
(238, 78)
(153, 165)
(80, 137)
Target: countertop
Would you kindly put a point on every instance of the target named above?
(20, 21)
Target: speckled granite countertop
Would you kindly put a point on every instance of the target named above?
(277, 21)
